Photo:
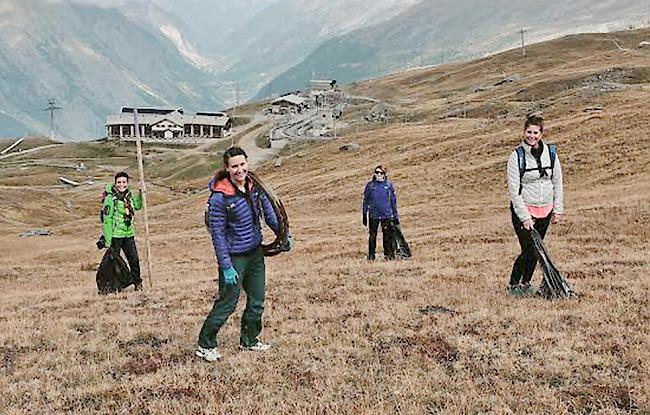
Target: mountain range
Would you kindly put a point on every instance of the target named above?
(286, 31)
(94, 56)
(438, 31)
(92, 60)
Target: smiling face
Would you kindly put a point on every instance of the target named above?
(379, 175)
(121, 183)
(532, 134)
(237, 168)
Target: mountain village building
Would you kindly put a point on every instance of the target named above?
(290, 102)
(168, 125)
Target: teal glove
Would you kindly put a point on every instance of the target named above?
(289, 244)
(230, 276)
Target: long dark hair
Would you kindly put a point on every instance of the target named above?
(227, 155)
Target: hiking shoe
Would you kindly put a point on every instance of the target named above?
(211, 355)
(257, 347)
(527, 290)
(515, 290)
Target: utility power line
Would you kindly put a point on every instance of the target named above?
(523, 44)
(51, 107)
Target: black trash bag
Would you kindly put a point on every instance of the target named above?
(402, 249)
(113, 275)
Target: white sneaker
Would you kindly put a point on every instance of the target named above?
(257, 347)
(211, 355)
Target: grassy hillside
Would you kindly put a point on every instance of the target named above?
(352, 336)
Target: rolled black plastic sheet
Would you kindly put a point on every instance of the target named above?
(281, 243)
(554, 285)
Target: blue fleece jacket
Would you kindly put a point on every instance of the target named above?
(379, 200)
(235, 219)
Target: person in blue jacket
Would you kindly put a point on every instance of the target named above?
(235, 209)
(380, 207)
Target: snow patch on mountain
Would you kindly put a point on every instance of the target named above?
(185, 48)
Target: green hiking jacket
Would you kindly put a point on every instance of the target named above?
(116, 223)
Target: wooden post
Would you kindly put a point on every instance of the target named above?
(143, 187)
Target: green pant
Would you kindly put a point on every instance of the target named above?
(250, 268)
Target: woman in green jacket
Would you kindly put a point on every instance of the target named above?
(118, 222)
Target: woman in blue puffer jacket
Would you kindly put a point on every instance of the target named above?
(235, 209)
(380, 206)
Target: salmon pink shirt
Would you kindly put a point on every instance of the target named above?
(539, 212)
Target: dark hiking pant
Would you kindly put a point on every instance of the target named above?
(524, 266)
(251, 270)
(387, 236)
(131, 251)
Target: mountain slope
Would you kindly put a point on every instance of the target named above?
(437, 31)
(92, 60)
(283, 33)
(208, 23)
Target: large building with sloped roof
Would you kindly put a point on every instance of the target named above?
(168, 125)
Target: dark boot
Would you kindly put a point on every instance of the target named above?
(372, 238)
(388, 239)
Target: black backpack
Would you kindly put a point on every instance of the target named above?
(113, 275)
(521, 162)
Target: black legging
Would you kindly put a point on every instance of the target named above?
(387, 235)
(131, 251)
(524, 266)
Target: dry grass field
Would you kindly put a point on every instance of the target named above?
(348, 335)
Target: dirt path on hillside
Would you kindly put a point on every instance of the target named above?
(28, 151)
(257, 155)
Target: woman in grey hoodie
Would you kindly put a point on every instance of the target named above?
(536, 198)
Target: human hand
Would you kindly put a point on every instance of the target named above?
(289, 243)
(528, 224)
(101, 242)
(230, 276)
(555, 218)
(365, 220)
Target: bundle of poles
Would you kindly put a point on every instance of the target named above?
(554, 285)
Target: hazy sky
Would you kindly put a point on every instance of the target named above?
(119, 2)
(106, 3)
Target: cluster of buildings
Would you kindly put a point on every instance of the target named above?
(168, 125)
(174, 126)
(322, 92)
